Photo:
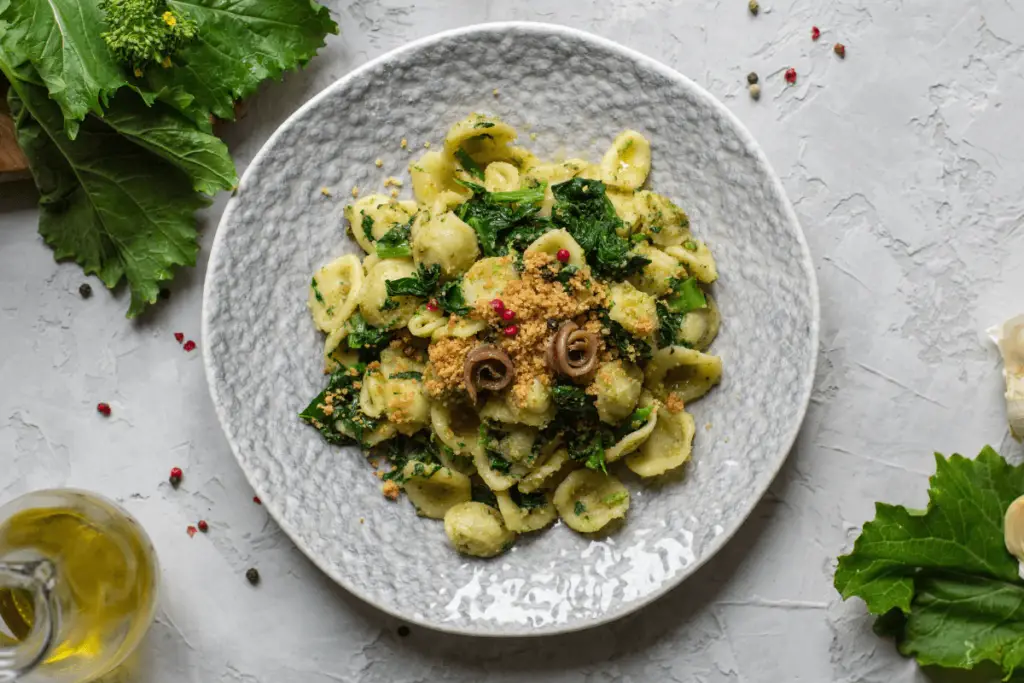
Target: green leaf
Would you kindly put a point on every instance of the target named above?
(686, 296)
(116, 209)
(946, 569)
(61, 40)
(168, 133)
(240, 44)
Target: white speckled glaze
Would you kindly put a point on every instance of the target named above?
(575, 92)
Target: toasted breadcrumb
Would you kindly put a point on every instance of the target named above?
(405, 143)
(390, 490)
(674, 403)
(426, 144)
(325, 191)
(355, 191)
(378, 163)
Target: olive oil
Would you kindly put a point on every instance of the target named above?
(106, 581)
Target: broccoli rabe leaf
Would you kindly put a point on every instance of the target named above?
(686, 295)
(451, 298)
(573, 401)
(363, 336)
(668, 324)
(467, 163)
(117, 210)
(504, 221)
(941, 581)
(408, 374)
(528, 501)
(584, 210)
(394, 243)
(335, 412)
(619, 337)
(423, 283)
(402, 449)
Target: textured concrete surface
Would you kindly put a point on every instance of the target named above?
(904, 163)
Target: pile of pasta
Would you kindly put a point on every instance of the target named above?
(423, 365)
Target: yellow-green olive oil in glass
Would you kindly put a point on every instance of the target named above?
(78, 587)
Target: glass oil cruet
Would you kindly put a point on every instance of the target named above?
(78, 587)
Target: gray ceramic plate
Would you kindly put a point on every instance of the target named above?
(574, 92)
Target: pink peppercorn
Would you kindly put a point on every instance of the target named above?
(511, 330)
(815, 33)
(791, 75)
(432, 305)
(103, 409)
(508, 316)
(189, 345)
(498, 306)
(562, 255)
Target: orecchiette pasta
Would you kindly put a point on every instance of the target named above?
(668, 446)
(374, 295)
(587, 500)
(522, 520)
(507, 354)
(687, 373)
(627, 162)
(552, 242)
(656, 277)
(371, 217)
(477, 529)
(634, 310)
(444, 240)
(434, 490)
(333, 292)
(617, 384)
(697, 258)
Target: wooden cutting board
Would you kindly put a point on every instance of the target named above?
(13, 164)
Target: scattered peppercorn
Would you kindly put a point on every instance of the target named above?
(176, 475)
(190, 345)
(755, 91)
(103, 409)
(754, 7)
(791, 75)
(256, 499)
(85, 290)
(432, 305)
(840, 50)
(508, 316)
(752, 78)
(498, 306)
(203, 526)
(165, 293)
(252, 575)
(562, 255)
(179, 337)
(815, 33)
(403, 631)
(191, 531)
(511, 330)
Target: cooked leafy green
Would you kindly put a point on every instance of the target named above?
(941, 580)
(363, 336)
(394, 243)
(584, 210)
(615, 498)
(481, 493)
(335, 411)
(587, 442)
(618, 336)
(528, 501)
(408, 374)
(686, 295)
(367, 224)
(489, 436)
(401, 450)
(668, 324)
(579, 508)
(504, 221)
(573, 401)
(451, 298)
(467, 163)
(423, 283)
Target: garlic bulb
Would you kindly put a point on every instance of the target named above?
(1013, 532)
(1010, 338)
